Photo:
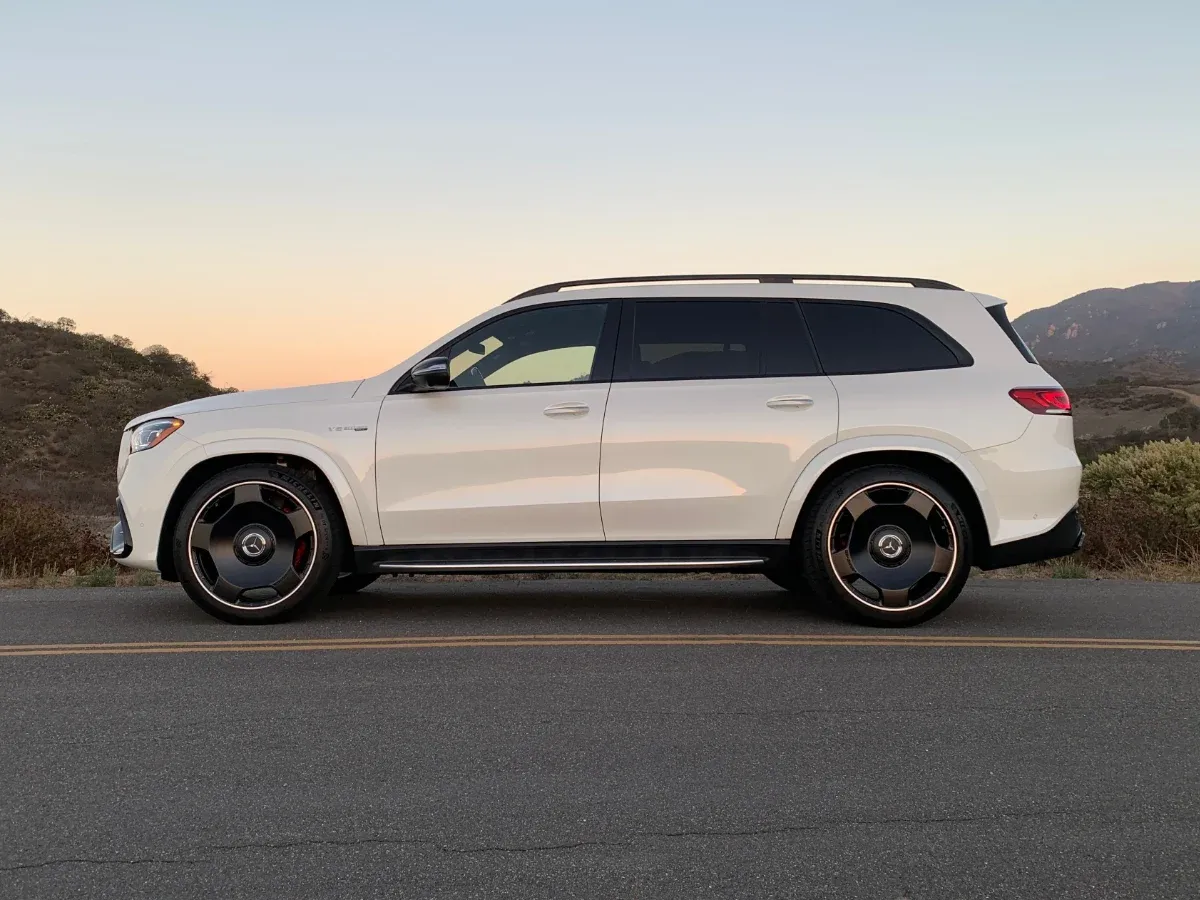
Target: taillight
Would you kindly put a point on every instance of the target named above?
(1043, 401)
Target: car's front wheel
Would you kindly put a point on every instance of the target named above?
(889, 544)
(256, 544)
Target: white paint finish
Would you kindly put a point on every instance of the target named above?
(1032, 482)
(707, 460)
(488, 465)
(317, 393)
(966, 408)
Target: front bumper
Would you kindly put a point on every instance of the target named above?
(119, 545)
(1062, 540)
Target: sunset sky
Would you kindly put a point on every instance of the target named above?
(294, 192)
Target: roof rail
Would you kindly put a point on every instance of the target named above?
(762, 279)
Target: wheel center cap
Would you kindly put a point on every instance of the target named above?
(254, 544)
(890, 545)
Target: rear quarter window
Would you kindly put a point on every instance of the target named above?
(862, 339)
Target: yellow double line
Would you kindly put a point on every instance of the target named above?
(441, 642)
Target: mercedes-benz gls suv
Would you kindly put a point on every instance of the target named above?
(865, 439)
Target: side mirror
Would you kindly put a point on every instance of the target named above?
(432, 374)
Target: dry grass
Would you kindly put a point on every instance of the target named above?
(102, 576)
(36, 538)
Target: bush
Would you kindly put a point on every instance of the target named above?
(1143, 503)
(35, 538)
(102, 576)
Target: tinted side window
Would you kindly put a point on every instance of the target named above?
(677, 339)
(855, 339)
(787, 349)
(547, 345)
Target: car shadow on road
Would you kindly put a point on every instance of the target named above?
(613, 603)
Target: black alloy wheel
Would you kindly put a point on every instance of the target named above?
(255, 544)
(891, 545)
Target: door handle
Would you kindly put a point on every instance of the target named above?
(790, 401)
(560, 410)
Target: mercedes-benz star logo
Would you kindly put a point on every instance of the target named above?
(254, 544)
(890, 546)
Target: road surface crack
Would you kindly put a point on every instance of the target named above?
(626, 843)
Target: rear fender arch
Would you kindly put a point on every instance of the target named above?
(881, 449)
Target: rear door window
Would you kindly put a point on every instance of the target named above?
(692, 339)
(859, 338)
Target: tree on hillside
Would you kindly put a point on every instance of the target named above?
(5, 317)
(122, 341)
(65, 324)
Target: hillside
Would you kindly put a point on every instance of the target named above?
(64, 398)
(1162, 319)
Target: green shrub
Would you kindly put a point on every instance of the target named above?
(1068, 568)
(1143, 503)
(35, 538)
(101, 576)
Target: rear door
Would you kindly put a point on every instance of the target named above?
(715, 407)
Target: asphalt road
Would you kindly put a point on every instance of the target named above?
(455, 758)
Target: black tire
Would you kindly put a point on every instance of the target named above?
(888, 523)
(352, 583)
(257, 544)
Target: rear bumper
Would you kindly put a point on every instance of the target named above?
(1062, 540)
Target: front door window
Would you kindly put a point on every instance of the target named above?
(548, 345)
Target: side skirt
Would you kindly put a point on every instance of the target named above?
(599, 556)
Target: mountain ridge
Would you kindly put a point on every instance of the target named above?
(1160, 319)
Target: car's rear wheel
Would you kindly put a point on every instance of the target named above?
(256, 544)
(890, 545)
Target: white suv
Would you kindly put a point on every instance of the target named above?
(865, 439)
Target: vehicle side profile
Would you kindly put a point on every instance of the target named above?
(865, 439)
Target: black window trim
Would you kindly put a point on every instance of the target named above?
(1000, 316)
(962, 356)
(602, 362)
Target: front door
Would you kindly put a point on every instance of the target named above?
(510, 452)
(715, 408)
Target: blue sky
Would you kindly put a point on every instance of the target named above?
(169, 171)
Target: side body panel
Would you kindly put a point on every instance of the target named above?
(491, 466)
(708, 459)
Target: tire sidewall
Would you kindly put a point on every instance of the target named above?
(819, 570)
(322, 572)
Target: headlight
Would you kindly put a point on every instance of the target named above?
(151, 434)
